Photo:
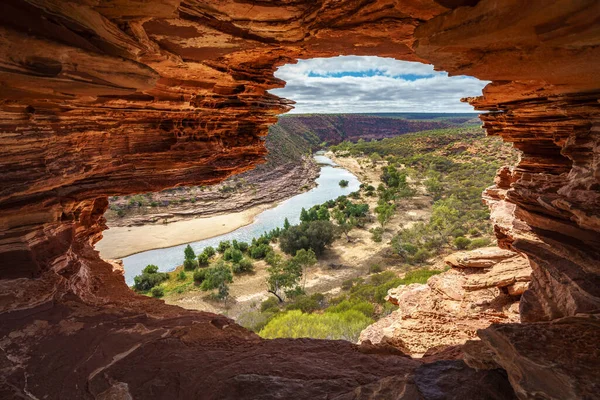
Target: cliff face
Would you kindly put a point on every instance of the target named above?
(334, 129)
(104, 98)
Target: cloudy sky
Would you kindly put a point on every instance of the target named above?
(353, 84)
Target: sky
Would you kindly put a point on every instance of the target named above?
(353, 84)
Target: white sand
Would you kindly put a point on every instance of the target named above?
(122, 241)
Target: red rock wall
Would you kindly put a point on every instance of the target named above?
(103, 98)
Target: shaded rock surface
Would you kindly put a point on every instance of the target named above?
(104, 98)
(452, 306)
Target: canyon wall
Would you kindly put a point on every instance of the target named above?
(114, 97)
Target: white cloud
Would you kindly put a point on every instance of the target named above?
(311, 85)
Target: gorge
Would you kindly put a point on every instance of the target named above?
(109, 98)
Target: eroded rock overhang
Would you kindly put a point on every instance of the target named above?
(104, 98)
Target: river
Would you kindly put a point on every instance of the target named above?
(327, 188)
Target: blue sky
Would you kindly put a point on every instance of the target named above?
(353, 84)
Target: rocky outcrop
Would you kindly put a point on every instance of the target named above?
(560, 356)
(103, 98)
(447, 311)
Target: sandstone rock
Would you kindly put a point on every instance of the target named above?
(504, 273)
(113, 98)
(517, 288)
(440, 313)
(550, 360)
(479, 258)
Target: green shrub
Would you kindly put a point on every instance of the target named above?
(224, 245)
(344, 183)
(199, 275)
(462, 242)
(361, 306)
(307, 304)
(190, 264)
(259, 251)
(232, 254)
(243, 266)
(203, 260)
(216, 276)
(479, 242)
(375, 268)
(150, 269)
(157, 291)
(181, 276)
(334, 326)
(209, 251)
(377, 234)
(270, 304)
(420, 257)
(149, 278)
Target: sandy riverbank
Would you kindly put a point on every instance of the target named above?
(122, 241)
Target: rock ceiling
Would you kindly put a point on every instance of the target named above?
(112, 97)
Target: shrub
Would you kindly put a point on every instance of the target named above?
(334, 326)
(479, 242)
(190, 265)
(157, 291)
(462, 242)
(233, 254)
(377, 234)
(181, 276)
(420, 256)
(259, 251)
(374, 268)
(216, 277)
(243, 266)
(224, 245)
(344, 183)
(203, 259)
(150, 269)
(361, 306)
(270, 304)
(307, 304)
(149, 278)
(243, 246)
(199, 275)
(209, 251)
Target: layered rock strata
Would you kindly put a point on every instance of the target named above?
(117, 97)
(448, 310)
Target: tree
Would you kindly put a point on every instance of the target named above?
(218, 277)
(304, 215)
(344, 183)
(305, 259)
(345, 224)
(149, 278)
(384, 212)
(189, 253)
(283, 275)
(315, 235)
(286, 223)
(323, 214)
